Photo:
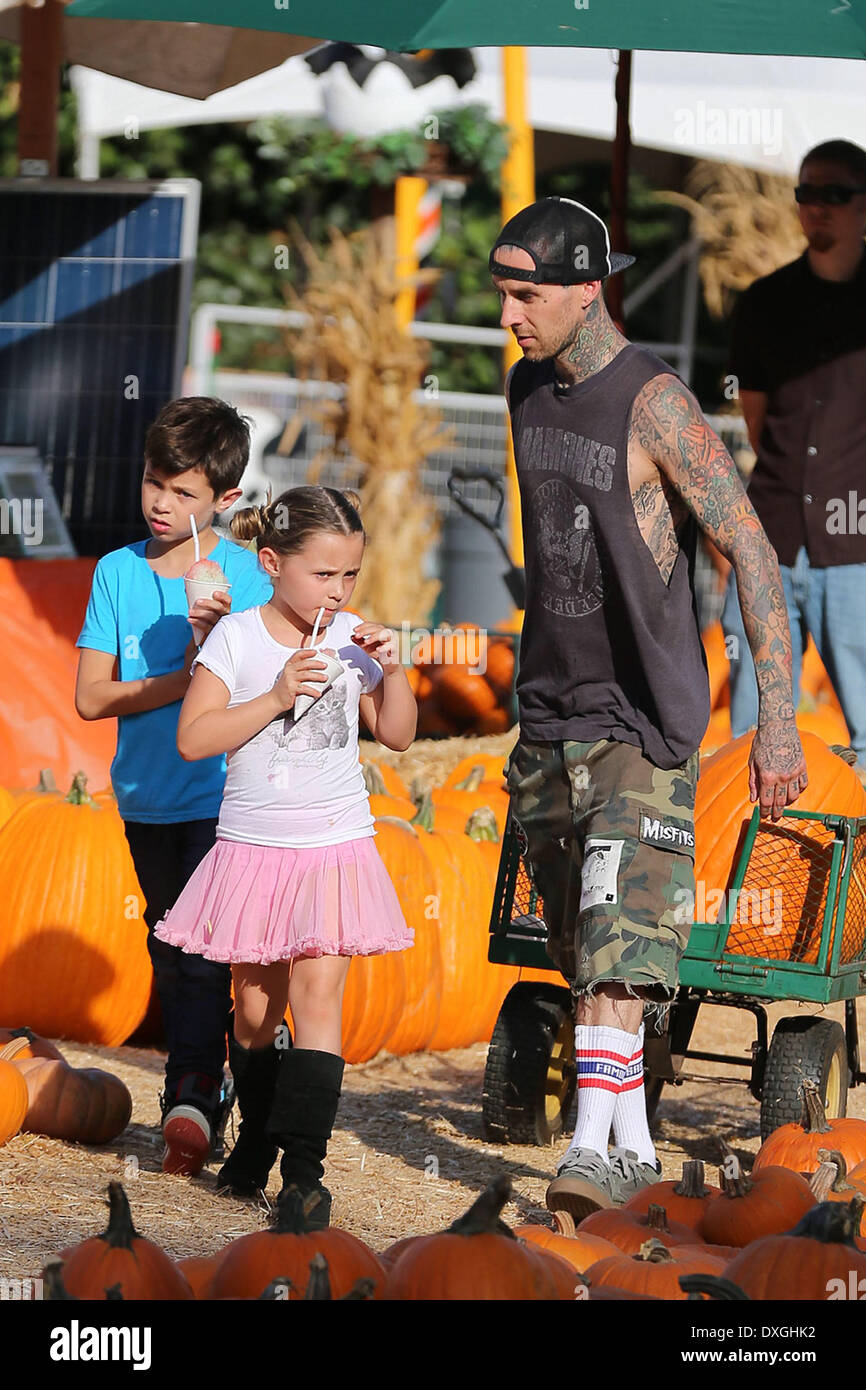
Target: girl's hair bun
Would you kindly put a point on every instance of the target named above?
(353, 498)
(249, 524)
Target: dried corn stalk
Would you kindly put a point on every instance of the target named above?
(746, 222)
(354, 340)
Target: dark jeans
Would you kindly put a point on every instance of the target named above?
(194, 993)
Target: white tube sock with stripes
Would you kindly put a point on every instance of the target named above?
(630, 1127)
(602, 1057)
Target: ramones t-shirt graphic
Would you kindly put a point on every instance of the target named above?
(608, 648)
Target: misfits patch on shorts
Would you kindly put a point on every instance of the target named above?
(667, 832)
(598, 879)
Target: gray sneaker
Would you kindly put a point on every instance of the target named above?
(582, 1184)
(628, 1176)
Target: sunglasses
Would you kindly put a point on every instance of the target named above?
(831, 195)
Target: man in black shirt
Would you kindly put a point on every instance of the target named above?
(799, 356)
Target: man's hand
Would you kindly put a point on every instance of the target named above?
(777, 767)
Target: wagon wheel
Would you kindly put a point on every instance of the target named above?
(803, 1047)
(531, 1074)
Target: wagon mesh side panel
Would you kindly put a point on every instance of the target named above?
(779, 912)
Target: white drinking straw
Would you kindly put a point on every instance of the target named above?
(195, 537)
(316, 627)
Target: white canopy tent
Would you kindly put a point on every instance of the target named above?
(762, 112)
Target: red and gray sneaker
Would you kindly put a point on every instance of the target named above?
(187, 1126)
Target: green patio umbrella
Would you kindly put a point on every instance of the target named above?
(811, 28)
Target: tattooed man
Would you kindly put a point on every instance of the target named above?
(617, 468)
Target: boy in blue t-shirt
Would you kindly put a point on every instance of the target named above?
(136, 653)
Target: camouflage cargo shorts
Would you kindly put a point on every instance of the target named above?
(608, 841)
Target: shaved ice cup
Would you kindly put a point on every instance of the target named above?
(202, 588)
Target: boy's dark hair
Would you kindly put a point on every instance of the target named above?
(200, 432)
(850, 156)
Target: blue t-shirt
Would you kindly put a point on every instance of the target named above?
(142, 619)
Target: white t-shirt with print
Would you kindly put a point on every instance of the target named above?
(296, 784)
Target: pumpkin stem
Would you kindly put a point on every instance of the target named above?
(732, 1180)
(482, 1218)
(654, 1252)
(46, 781)
(277, 1290)
(816, 1118)
(481, 825)
(713, 1285)
(564, 1223)
(121, 1232)
(848, 755)
(656, 1217)
(373, 779)
(362, 1291)
(473, 781)
(823, 1180)
(832, 1222)
(691, 1184)
(319, 1285)
(13, 1049)
(78, 795)
(840, 1176)
(293, 1209)
(423, 817)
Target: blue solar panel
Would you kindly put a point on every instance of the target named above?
(95, 283)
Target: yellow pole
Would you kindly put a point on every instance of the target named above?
(518, 189)
(408, 193)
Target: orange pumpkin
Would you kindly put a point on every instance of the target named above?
(654, 1268)
(684, 1199)
(285, 1249)
(382, 801)
(390, 777)
(120, 1256)
(722, 813)
(479, 1258)
(493, 763)
(73, 952)
(13, 1101)
(797, 1146)
(411, 874)
(499, 670)
(577, 1247)
(199, 1271)
(817, 1260)
(718, 665)
(462, 692)
(748, 1208)
(831, 1182)
(628, 1230)
(18, 1043)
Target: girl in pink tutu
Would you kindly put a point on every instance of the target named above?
(294, 886)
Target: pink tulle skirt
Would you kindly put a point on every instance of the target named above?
(265, 903)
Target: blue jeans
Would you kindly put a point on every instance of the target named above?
(829, 603)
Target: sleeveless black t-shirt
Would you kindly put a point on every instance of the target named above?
(608, 649)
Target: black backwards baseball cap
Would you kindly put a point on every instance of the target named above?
(568, 244)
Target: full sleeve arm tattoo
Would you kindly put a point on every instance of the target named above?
(670, 427)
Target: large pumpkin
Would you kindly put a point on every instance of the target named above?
(747, 1208)
(86, 1105)
(73, 952)
(413, 879)
(784, 852)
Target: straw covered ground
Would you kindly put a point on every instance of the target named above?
(407, 1155)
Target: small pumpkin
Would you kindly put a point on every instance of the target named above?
(199, 1271)
(628, 1230)
(796, 1146)
(286, 1248)
(479, 1258)
(831, 1181)
(817, 1260)
(578, 1247)
(685, 1199)
(120, 1256)
(747, 1208)
(16, 1044)
(654, 1268)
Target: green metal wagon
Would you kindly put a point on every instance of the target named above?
(816, 954)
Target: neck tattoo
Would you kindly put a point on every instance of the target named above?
(597, 343)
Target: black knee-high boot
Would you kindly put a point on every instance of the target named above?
(302, 1120)
(255, 1071)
